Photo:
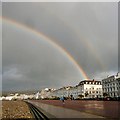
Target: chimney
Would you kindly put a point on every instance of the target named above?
(117, 74)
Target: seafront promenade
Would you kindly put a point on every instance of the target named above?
(79, 108)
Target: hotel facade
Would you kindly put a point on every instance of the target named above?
(90, 89)
(85, 89)
(111, 86)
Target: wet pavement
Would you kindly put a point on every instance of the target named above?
(109, 109)
(52, 111)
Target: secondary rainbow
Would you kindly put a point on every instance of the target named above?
(85, 41)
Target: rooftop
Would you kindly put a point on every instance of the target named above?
(90, 82)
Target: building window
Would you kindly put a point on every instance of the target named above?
(93, 91)
(111, 89)
(93, 96)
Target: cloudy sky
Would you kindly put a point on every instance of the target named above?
(58, 44)
(0, 50)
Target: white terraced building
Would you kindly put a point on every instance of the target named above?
(46, 93)
(86, 89)
(64, 91)
(111, 85)
(118, 85)
(90, 89)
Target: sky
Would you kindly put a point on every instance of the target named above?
(0, 52)
(57, 44)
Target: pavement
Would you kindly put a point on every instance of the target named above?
(107, 109)
(61, 112)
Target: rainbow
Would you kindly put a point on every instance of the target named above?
(84, 40)
(48, 40)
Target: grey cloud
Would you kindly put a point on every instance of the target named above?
(29, 58)
(88, 31)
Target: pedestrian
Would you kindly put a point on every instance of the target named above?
(71, 97)
(62, 99)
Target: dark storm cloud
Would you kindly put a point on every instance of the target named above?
(119, 36)
(30, 61)
(88, 31)
(0, 50)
